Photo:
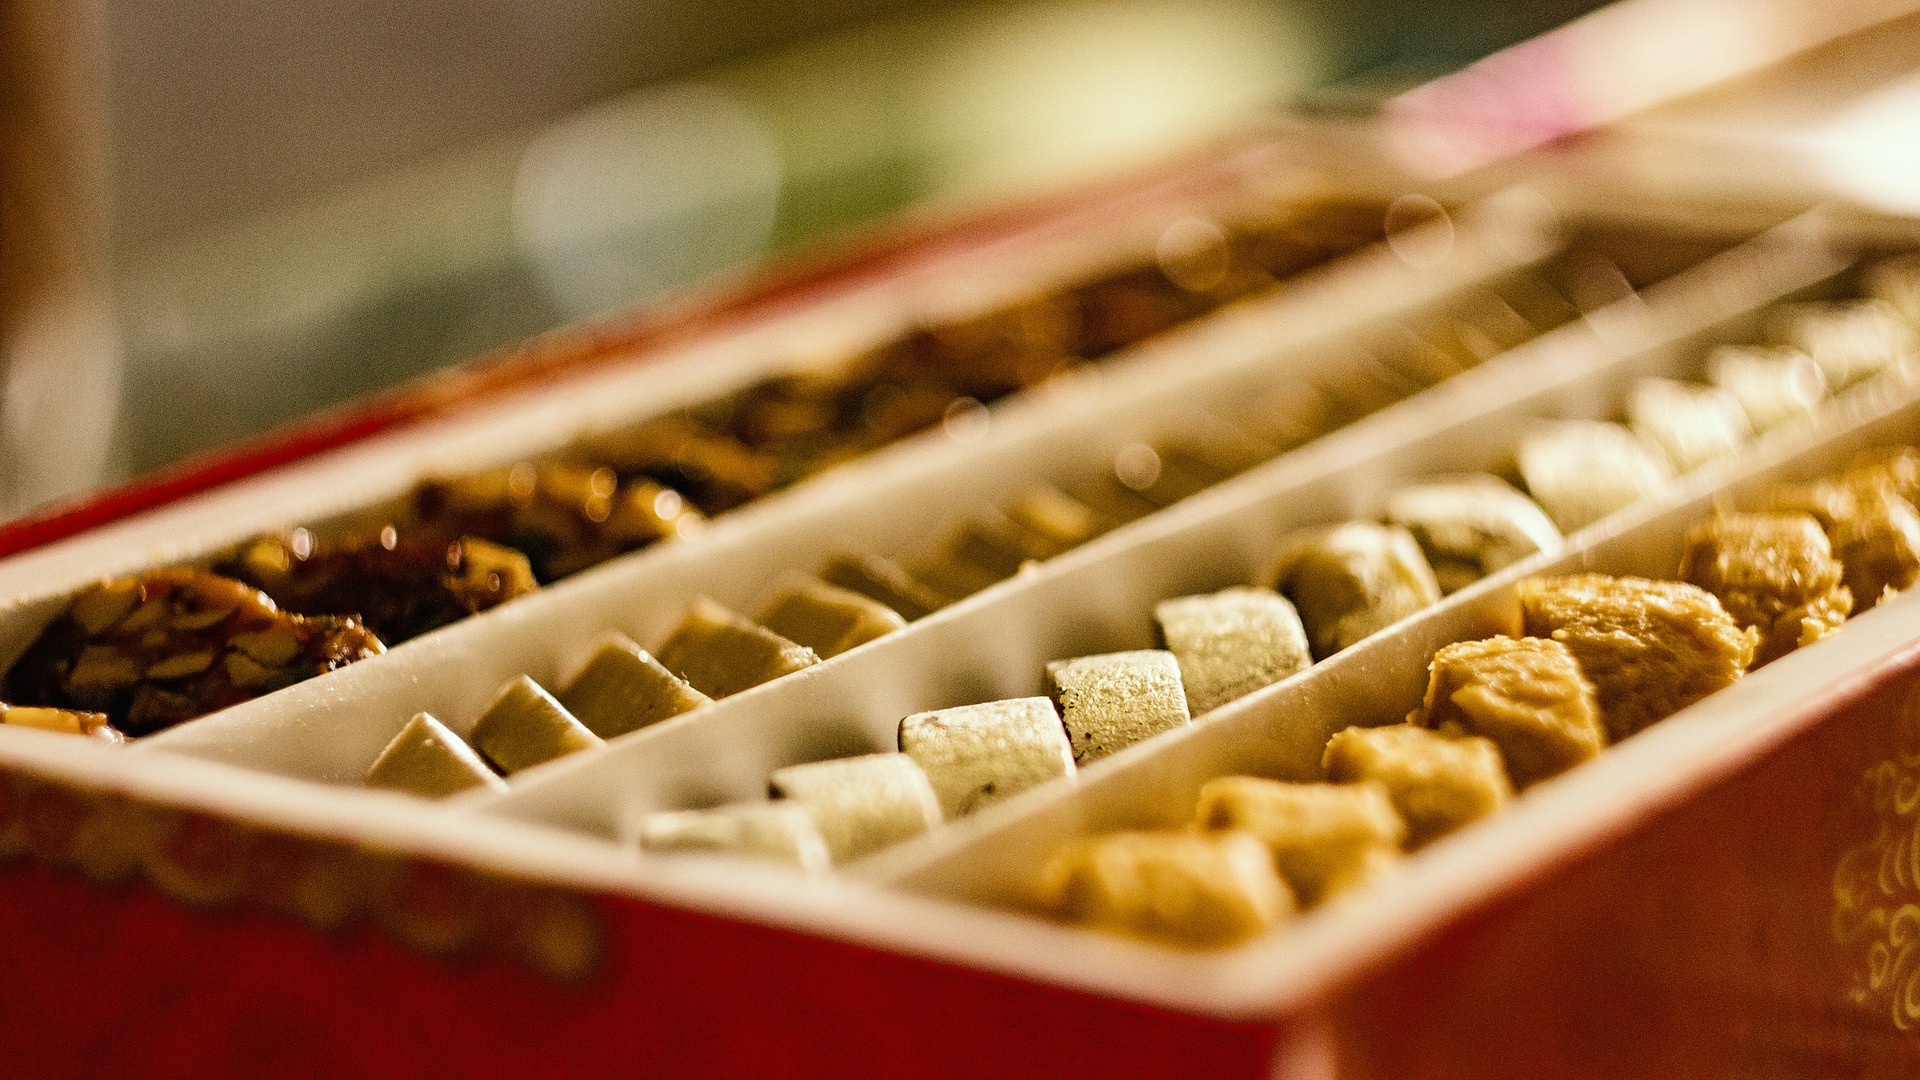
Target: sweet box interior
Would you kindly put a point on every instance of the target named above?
(1637, 294)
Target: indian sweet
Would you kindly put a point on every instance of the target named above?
(1232, 642)
(622, 688)
(1650, 648)
(826, 618)
(861, 804)
(720, 653)
(1352, 580)
(1690, 423)
(781, 830)
(1198, 888)
(1774, 573)
(1325, 838)
(1773, 385)
(1111, 701)
(1470, 526)
(976, 755)
(1527, 695)
(1438, 781)
(524, 727)
(1851, 340)
(428, 760)
(158, 648)
(1580, 471)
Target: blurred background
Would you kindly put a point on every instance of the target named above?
(271, 207)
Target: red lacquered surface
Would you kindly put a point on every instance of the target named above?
(105, 981)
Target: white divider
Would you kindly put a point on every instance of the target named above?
(330, 728)
(1100, 597)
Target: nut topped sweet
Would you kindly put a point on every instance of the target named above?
(153, 650)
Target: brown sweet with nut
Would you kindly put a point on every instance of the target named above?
(564, 518)
(169, 645)
(400, 582)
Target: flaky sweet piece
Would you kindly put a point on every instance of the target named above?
(1874, 530)
(1231, 643)
(861, 804)
(721, 653)
(826, 618)
(1580, 471)
(168, 645)
(781, 830)
(1325, 838)
(976, 755)
(1114, 700)
(1773, 572)
(428, 760)
(1352, 580)
(1650, 648)
(1194, 888)
(524, 727)
(1527, 695)
(622, 688)
(1437, 781)
(1471, 525)
(400, 581)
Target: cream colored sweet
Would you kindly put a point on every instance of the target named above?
(1851, 340)
(1113, 700)
(1471, 525)
(1198, 889)
(780, 830)
(1650, 648)
(1437, 781)
(720, 653)
(622, 688)
(1772, 384)
(1351, 581)
(1689, 423)
(1774, 573)
(884, 581)
(1580, 471)
(525, 726)
(1527, 695)
(1231, 643)
(862, 804)
(1325, 838)
(427, 759)
(976, 755)
(827, 619)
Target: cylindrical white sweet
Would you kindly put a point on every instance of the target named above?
(975, 755)
(1114, 700)
(1850, 339)
(780, 830)
(1232, 642)
(862, 804)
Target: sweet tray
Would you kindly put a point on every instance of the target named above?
(226, 893)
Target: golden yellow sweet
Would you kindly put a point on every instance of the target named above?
(1193, 888)
(1650, 648)
(1525, 694)
(720, 653)
(1324, 837)
(1437, 781)
(623, 688)
(1773, 572)
(828, 619)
